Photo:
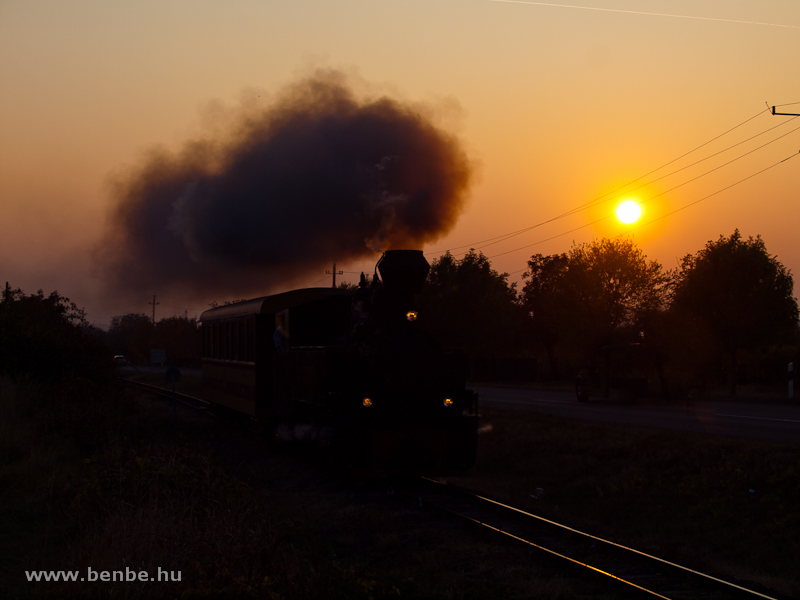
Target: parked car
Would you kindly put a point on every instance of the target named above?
(120, 360)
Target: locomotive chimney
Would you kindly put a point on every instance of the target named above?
(403, 272)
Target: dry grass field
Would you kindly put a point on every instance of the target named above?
(102, 477)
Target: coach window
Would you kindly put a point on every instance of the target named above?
(227, 353)
(251, 340)
(234, 341)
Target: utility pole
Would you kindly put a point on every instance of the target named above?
(154, 308)
(7, 294)
(334, 273)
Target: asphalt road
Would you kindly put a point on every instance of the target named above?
(771, 422)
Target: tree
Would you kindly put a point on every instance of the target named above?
(470, 305)
(593, 295)
(215, 304)
(47, 337)
(612, 284)
(740, 293)
(132, 335)
(181, 339)
(542, 299)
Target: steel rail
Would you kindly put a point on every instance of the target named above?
(553, 552)
(599, 539)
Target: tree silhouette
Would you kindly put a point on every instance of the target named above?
(47, 337)
(613, 283)
(132, 335)
(593, 296)
(470, 305)
(742, 294)
(181, 339)
(543, 300)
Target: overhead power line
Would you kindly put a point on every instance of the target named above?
(664, 216)
(649, 14)
(505, 236)
(603, 198)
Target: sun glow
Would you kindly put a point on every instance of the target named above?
(629, 212)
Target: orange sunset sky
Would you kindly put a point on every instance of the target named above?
(556, 105)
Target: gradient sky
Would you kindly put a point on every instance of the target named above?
(557, 105)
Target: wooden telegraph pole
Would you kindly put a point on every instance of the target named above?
(154, 308)
(334, 273)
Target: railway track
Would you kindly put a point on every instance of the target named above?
(190, 401)
(200, 405)
(630, 572)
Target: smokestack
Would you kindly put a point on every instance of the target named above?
(403, 271)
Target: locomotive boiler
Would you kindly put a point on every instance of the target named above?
(357, 364)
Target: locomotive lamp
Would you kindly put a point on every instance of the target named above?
(411, 315)
(448, 402)
(367, 402)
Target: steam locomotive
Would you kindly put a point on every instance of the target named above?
(353, 363)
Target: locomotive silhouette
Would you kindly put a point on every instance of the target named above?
(355, 364)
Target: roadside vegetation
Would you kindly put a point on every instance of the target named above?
(725, 317)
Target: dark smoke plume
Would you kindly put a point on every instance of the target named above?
(316, 176)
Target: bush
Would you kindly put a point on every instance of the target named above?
(47, 337)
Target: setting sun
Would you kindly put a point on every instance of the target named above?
(629, 212)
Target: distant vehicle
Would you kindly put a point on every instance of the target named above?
(120, 360)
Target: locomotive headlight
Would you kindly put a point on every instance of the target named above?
(411, 315)
(448, 402)
(367, 402)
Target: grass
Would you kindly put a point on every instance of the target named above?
(102, 477)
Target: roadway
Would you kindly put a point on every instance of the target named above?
(763, 421)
